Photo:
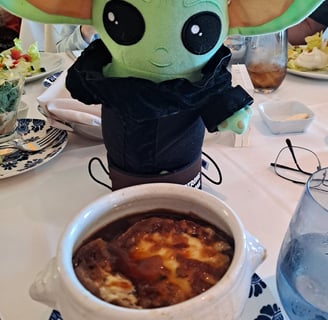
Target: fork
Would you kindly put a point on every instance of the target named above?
(33, 146)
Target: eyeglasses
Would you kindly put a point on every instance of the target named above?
(296, 164)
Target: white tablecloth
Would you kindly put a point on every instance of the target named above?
(36, 205)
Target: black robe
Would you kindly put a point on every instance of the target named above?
(153, 127)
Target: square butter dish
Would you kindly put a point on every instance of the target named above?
(285, 116)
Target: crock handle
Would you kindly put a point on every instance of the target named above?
(256, 252)
(43, 289)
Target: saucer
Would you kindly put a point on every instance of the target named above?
(20, 161)
(260, 305)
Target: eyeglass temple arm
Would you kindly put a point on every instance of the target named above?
(272, 164)
(290, 147)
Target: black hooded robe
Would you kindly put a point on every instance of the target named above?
(150, 128)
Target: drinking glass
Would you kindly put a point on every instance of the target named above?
(302, 268)
(266, 60)
(10, 95)
(237, 45)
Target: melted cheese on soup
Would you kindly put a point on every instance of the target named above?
(156, 262)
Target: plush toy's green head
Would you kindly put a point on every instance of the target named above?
(161, 38)
(165, 39)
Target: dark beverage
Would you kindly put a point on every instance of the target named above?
(266, 77)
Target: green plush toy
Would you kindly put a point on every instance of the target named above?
(160, 73)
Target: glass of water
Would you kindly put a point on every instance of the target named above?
(302, 268)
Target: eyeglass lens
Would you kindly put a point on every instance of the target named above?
(320, 182)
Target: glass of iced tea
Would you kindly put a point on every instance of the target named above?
(266, 60)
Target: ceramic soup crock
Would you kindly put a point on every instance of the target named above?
(58, 287)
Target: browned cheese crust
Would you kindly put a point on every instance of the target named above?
(157, 262)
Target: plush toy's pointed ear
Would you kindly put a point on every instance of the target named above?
(51, 11)
(250, 17)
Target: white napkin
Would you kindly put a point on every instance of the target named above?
(60, 108)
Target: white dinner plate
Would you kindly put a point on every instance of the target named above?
(51, 62)
(260, 305)
(319, 74)
(19, 161)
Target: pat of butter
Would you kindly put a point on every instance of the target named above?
(298, 116)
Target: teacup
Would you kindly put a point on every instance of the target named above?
(58, 286)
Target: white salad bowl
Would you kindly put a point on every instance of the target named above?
(58, 287)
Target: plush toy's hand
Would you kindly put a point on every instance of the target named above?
(238, 122)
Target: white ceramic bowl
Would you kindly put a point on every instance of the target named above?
(58, 286)
(285, 116)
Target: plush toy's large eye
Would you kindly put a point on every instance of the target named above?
(201, 32)
(123, 22)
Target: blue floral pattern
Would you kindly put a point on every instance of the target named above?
(257, 286)
(267, 312)
(55, 316)
(21, 161)
(270, 312)
(25, 126)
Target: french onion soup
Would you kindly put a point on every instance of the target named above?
(153, 259)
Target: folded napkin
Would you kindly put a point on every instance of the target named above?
(57, 104)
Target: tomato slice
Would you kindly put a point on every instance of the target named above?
(26, 57)
(15, 54)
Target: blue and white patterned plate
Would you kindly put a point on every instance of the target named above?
(19, 161)
(48, 81)
(260, 305)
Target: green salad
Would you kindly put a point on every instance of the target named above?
(15, 61)
(9, 94)
(312, 56)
